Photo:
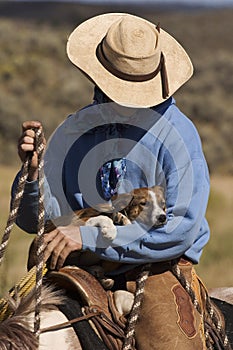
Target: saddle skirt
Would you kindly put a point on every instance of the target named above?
(107, 323)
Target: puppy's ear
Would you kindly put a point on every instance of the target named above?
(159, 192)
(104, 207)
(121, 201)
(158, 189)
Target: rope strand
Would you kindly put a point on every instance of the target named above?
(14, 208)
(135, 311)
(40, 230)
(39, 148)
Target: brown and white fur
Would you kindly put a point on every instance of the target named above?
(17, 331)
(144, 205)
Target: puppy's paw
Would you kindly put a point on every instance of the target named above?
(108, 229)
(125, 220)
(109, 232)
(120, 219)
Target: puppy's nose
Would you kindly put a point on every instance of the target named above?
(161, 218)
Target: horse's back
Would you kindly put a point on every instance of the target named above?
(62, 339)
(227, 311)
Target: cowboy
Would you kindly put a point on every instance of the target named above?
(136, 68)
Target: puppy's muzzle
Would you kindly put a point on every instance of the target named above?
(161, 218)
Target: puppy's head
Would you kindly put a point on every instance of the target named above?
(145, 205)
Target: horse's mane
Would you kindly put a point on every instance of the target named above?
(16, 331)
(15, 335)
(50, 298)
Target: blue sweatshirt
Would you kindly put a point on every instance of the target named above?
(161, 147)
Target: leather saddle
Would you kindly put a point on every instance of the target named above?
(107, 323)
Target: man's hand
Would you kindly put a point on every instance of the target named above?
(26, 143)
(59, 243)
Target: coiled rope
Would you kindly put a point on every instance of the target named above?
(39, 148)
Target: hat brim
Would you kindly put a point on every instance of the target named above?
(81, 50)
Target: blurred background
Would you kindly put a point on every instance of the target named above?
(38, 82)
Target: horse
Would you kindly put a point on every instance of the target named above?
(16, 332)
(62, 323)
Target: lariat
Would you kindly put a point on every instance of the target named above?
(15, 205)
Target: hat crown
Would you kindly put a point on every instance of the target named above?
(132, 46)
(129, 59)
(133, 38)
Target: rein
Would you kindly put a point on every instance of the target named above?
(39, 147)
(14, 208)
(15, 204)
(135, 311)
(69, 323)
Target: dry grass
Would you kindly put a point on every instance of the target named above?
(216, 264)
(215, 267)
(37, 80)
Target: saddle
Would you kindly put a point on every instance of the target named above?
(107, 322)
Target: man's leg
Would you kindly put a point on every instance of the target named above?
(168, 320)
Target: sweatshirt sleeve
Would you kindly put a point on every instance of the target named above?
(186, 229)
(27, 217)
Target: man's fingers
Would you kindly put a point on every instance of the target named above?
(26, 143)
(30, 124)
(59, 243)
(27, 136)
(26, 147)
(50, 243)
(57, 255)
(63, 256)
(48, 237)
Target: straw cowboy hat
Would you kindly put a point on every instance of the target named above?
(135, 63)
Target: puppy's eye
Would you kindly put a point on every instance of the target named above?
(163, 205)
(142, 203)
